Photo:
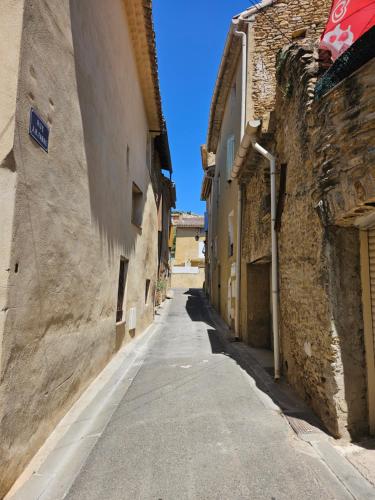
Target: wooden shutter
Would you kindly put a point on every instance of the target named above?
(230, 156)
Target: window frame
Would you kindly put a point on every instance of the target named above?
(137, 211)
(231, 141)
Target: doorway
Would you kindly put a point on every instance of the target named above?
(368, 303)
(259, 305)
(123, 272)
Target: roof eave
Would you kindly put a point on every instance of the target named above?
(215, 118)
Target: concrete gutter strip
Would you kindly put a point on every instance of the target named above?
(279, 397)
(54, 468)
(349, 476)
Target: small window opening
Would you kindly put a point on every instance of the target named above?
(16, 268)
(137, 205)
(230, 156)
(147, 289)
(230, 235)
(127, 156)
(121, 289)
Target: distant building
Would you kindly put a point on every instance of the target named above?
(188, 250)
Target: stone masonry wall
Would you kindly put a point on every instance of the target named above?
(320, 290)
(275, 26)
(344, 148)
(256, 216)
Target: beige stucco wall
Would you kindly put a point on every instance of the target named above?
(224, 201)
(10, 29)
(184, 280)
(72, 212)
(187, 248)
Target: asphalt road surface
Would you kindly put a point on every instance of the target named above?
(194, 425)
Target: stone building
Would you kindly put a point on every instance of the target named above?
(82, 146)
(188, 250)
(244, 92)
(326, 240)
(323, 225)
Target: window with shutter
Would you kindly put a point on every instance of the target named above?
(230, 156)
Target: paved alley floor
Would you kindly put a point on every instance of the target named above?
(194, 425)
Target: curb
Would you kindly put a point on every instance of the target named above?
(295, 412)
(53, 469)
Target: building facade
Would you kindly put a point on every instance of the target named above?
(188, 250)
(244, 92)
(317, 128)
(79, 223)
(325, 233)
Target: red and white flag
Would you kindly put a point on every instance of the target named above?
(348, 21)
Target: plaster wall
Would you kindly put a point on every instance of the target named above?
(188, 249)
(72, 213)
(224, 202)
(186, 246)
(10, 29)
(188, 280)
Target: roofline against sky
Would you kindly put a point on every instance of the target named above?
(225, 68)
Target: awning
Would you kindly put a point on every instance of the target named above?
(348, 21)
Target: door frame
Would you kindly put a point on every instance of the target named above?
(368, 327)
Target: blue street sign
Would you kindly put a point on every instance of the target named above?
(38, 129)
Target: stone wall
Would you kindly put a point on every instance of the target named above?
(256, 216)
(344, 149)
(273, 27)
(320, 290)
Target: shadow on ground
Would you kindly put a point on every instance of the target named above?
(300, 416)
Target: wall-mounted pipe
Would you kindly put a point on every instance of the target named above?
(275, 284)
(243, 149)
(239, 196)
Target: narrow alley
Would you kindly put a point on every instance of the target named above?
(187, 250)
(181, 419)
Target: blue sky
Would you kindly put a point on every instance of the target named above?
(190, 37)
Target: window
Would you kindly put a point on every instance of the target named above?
(200, 249)
(121, 288)
(137, 205)
(230, 234)
(127, 156)
(230, 156)
(147, 289)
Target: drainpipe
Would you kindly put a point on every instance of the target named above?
(275, 286)
(239, 199)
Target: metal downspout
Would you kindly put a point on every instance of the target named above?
(275, 285)
(239, 199)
